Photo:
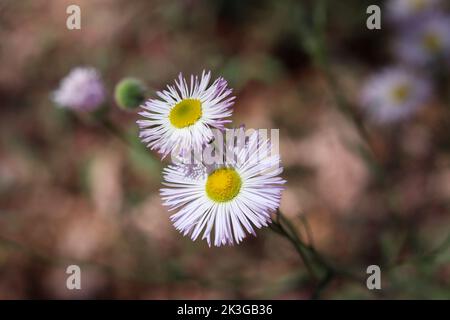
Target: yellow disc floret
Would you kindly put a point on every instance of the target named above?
(401, 92)
(223, 185)
(185, 113)
(418, 5)
(432, 42)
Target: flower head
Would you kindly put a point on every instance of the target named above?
(185, 114)
(227, 199)
(81, 90)
(394, 94)
(129, 93)
(404, 10)
(426, 41)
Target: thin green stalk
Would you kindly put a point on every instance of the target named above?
(432, 254)
(115, 130)
(314, 41)
(310, 256)
(326, 280)
(278, 228)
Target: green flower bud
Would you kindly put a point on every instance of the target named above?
(129, 93)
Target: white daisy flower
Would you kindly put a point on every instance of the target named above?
(229, 199)
(425, 41)
(81, 90)
(394, 94)
(403, 10)
(185, 114)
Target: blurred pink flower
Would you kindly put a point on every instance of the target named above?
(427, 40)
(81, 90)
(404, 10)
(394, 94)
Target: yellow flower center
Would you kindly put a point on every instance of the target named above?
(418, 5)
(400, 93)
(185, 113)
(432, 42)
(223, 185)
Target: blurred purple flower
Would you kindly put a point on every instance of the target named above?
(81, 90)
(426, 41)
(405, 10)
(394, 94)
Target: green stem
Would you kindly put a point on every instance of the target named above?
(278, 228)
(432, 254)
(115, 130)
(314, 41)
(310, 256)
(326, 280)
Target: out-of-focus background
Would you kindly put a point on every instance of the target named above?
(72, 193)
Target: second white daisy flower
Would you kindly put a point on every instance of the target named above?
(225, 200)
